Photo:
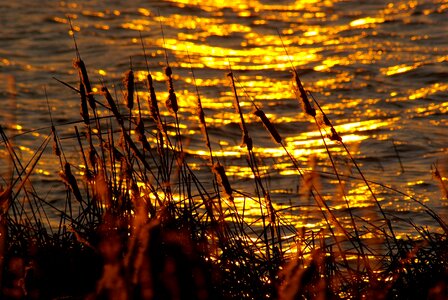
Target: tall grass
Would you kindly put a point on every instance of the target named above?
(138, 223)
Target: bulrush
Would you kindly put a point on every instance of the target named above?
(247, 140)
(56, 149)
(112, 105)
(141, 137)
(268, 125)
(334, 136)
(84, 77)
(171, 102)
(303, 97)
(153, 106)
(70, 180)
(223, 181)
(84, 110)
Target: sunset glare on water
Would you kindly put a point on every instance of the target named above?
(370, 165)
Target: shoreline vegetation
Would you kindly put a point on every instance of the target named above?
(137, 222)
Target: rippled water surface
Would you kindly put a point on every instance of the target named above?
(378, 68)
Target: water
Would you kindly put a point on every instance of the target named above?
(378, 68)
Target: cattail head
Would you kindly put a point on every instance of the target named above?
(92, 156)
(271, 210)
(153, 106)
(168, 71)
(304, 101)
(200, 112)
(160, 141)
(247, 140)
(268, 125)
(171, 102)
(140, 129)
(112, 105)
(56, 149)
(82, 71)
(334, 136)
(129, 84)
(84, 111)
(70, 180)
(326, 120)
(67, 170)
(223, 181)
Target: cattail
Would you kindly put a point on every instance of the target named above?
(268, 125)
(140, 129)
(305, 102)
(201, 115)
(84, 111)
(160, 140)
(70, 180)
(326, 120)
(171, 102)
(112, 104)
(247, 140)
(221, 176)
(92, 156)
(200, 112)
(79, 64)
(153, 106)
(129, 84)
(271, 209)
(56, 149)
(334, 136)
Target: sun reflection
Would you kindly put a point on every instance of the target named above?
(398, 69)
(425, 91)
(366, 21)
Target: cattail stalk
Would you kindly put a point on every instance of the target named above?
(247, 140)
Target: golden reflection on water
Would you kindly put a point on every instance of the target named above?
(331, 55)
